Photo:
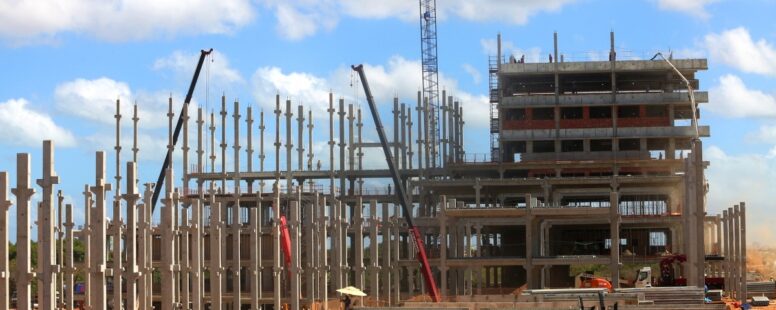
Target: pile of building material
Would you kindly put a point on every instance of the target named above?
(764, 288)
(675, 295)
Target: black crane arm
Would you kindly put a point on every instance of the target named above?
(168, 158)
(400, 190)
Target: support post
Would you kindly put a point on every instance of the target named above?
(98, 251)
(5, 273)
(130, 198)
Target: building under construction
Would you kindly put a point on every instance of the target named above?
(592, 163)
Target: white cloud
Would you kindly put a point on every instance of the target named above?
(302, 87)
(95, 100)
(732, 98)
(183, 64)
(765, 134)
(744, 177)
(24, 21)
(301, 18)
(473, 72)
(736, 48)
(26, 127)
(399, 76)
(695, 8)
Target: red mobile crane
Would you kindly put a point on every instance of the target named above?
(425, 268)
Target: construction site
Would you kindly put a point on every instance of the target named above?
(593, 194)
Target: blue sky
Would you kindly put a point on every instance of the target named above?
(65, 63)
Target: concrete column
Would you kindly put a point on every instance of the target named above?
(276, 266)
(336, 263)
(478, 246)
(215, 270)
(300, 138)
(409, 138)
(145, 248)
(342, 145)
(69, 267)
(742, 221)
(47, 267)
(130, 198)
(196, 254)
(374, 266)
(443, 234)
(395, 112)
(726, 251)
(295, 261)
(23, 193)
(614, 233)
(289, 148)
(236, 223)
(5, 273)
(310, 252)
(116, 225)
(737, 283)
(386, 251)
(358, 242)
(403, 134)
(167, 228)
(427, 149)
(444, 128)
(254, 250)
(394, 250)
(323, 269)
(98, 251)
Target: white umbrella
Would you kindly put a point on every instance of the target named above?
(350, 290)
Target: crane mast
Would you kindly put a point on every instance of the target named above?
(430, 69)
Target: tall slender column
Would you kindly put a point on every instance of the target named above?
(277, 269)
(69, 267)
(47, 266)
(323, 271)
(196, 254)
(236, 222)
(184, 214)
(5, 273)
(386, 251)
(395, 268)
(130, 198)
(727, 251)
(23, 193)
(342, 145)
(358, 242)
(374, 265)
(300, 137)
(144, 240)
(408, 143)
(444, 128)
(254, 249)
(310, 250)
(403, 141)
(168, 260)
(737, 252)
(116, 224)
(295, 261)
(98, 259)
(443, 239)
(395, 111)
(742, 240)
(614, 233)
(289, 147)
(215, 270)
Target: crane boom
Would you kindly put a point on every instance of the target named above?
(168, 158)
(425, 268)
(430, 69)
